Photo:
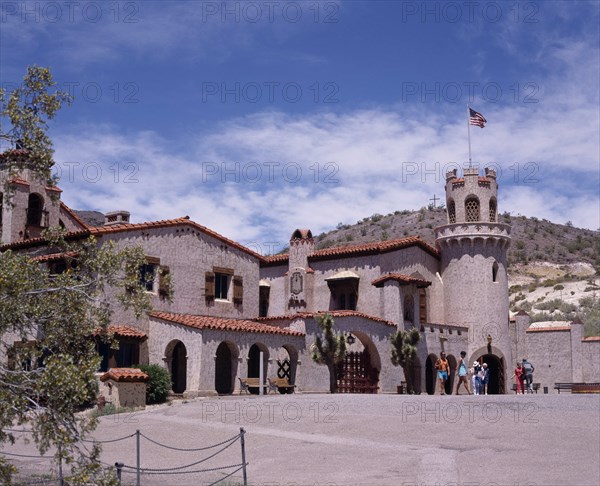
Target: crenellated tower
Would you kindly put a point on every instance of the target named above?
(474, 247)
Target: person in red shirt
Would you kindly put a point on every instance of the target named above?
(520, 375)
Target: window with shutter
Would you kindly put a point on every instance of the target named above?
(209, 288)
(238, 290)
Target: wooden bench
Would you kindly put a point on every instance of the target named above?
(586, 388)
(282, 385)
(534, 386)
(565, 386)
(247, 383)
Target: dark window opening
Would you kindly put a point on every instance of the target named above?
(222, 286)
(344, 295)
(147, 276)
(495, 272)
(35, 210)
(263, 302)
(126, 356)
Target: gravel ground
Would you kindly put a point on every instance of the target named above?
(365, 440)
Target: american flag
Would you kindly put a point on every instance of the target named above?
(476, 118)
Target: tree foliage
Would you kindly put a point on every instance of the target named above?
(27, 110)
(48, 318)
(330, 349)
(47, 327)
(404, 354)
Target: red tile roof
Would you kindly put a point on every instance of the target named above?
(223, 324)
(402, 279)
(358, 250)
(125, 375)
(124, 331)
(53, 257)
(53, 189)
(18, 180)
(549, 329)
(591, 339)
(122, 227)
(333, 313)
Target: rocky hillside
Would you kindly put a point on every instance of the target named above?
(532, 239)
(553, 269)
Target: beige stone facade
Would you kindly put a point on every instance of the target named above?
(231, 305)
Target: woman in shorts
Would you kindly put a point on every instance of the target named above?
(462, 373)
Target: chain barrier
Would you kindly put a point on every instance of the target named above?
(189, 450)
(177, 468)
(157, 471)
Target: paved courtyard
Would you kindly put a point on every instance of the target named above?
(367, 440)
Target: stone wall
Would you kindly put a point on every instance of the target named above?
(189, 254)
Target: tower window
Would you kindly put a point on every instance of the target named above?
(495, 272)
(493, 210)
(451, 212)
(472, 209)
(35, 210)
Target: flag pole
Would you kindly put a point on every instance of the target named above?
(469, 132)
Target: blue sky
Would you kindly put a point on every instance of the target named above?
(255, 118)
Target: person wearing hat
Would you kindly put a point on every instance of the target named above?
(443, 369)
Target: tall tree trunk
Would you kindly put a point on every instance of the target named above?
(332, 378)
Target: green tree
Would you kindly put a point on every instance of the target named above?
(47, 324)
(404, 353)
(330, 349)
(27, 110)
(48, 319)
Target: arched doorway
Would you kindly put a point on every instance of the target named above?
(176, 358)
(430, 374)
(496, 385)
(225, 368)
(451, 374)
(254, 363)
(361, 367)
(287, 361)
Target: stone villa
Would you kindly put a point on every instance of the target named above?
(230, 303)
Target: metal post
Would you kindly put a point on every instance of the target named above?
(137, 448)
(60, 471)
(119, 466)
(243, 442)
(469, 131)
(261, 378)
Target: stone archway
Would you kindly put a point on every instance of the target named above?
(225, 368)
(361, 368)
(451, 374)
(254, 363)
(176, 359)
(496, 385)
(430, 374)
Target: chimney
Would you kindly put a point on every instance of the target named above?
(116, 217)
